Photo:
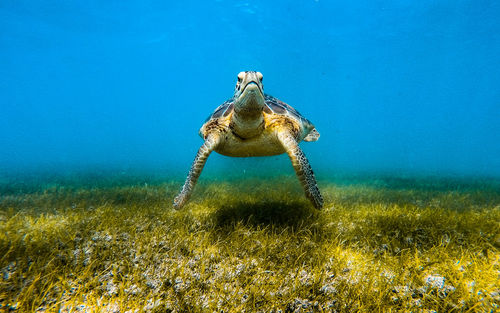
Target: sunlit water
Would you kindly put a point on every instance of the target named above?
(396, 87)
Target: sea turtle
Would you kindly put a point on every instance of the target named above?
(252, 123)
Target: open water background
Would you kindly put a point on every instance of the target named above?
(398, 87)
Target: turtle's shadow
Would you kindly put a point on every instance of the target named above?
(276, 213)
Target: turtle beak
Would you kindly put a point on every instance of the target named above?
(252, 87)
(251, 100)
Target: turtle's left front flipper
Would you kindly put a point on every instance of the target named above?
(199, 161)
(302, 168)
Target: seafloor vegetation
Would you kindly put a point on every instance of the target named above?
(380, 244)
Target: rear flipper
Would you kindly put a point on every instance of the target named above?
(302, 168)
(312, 136)
(195, 171)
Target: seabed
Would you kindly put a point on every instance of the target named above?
(253, 245)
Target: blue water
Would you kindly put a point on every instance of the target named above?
(392, 86)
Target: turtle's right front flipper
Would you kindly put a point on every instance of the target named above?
(199, 161)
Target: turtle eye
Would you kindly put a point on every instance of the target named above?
(240, 76)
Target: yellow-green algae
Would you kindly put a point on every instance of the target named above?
(251, 245)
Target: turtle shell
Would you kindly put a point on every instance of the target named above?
(273, 105)
(222, 110)
(276, 106)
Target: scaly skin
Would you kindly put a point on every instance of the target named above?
(302, 168)
(199, 162)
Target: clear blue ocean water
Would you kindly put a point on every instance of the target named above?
(403, 87)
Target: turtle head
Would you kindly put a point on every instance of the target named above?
(249, 93)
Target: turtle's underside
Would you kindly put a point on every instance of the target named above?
(255, 124)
